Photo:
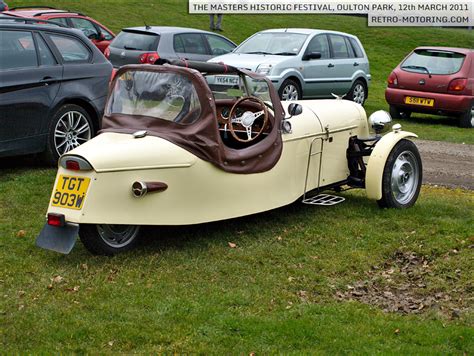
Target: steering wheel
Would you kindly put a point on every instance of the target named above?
(247, 119)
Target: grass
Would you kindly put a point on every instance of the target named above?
(186, 290)
(385, 46)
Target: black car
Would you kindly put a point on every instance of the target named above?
(53, 87)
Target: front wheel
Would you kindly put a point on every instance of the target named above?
(402, 175)
(103, 239)
(290, 90)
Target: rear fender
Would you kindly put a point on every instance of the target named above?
(377, 160)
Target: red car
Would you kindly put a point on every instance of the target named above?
(100, 35)
(434, 80)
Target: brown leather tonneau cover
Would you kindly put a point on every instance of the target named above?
(202, 138)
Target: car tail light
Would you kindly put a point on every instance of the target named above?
(56, 220)
(457, 85)
(114, 73)
(149, 57)
(74, 163)
(392, 80)
(107, 53)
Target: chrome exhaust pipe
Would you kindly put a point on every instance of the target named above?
(140, 189)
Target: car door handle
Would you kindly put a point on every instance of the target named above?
(47, 80)
(330, 65)
(356, 64)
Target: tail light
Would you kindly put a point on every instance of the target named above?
(74, 163)
(149, 57)
(114, 73)
(392, 80)
(57, 220)
(107, 53)
(457, 85)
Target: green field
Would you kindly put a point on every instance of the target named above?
(295, 280)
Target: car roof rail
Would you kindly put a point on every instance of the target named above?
(27, 20)
(32, 7)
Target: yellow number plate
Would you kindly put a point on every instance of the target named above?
(419, 101)
(70, 192)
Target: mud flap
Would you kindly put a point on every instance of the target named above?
(58, 239)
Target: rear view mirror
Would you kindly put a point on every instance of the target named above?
(312, 55)
(295, 109)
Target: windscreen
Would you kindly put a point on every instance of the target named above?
(137, 41)
(161, 95)
(275, 43)
(433, 62)
(237, 86)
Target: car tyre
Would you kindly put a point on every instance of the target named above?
(290, 90)
(109, 240)
(402, 176)
(70, 127)
(397, 113)
(466, 120)
(358, 92)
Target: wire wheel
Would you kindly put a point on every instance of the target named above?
(118, 236)
(405, 177)
(71, 130)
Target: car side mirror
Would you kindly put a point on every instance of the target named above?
(294, 109)
(312, 55)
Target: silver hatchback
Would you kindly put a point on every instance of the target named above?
(306, 63)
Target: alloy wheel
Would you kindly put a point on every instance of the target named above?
(358, 95)
(405, 177)
(72, 130)
(289, 93)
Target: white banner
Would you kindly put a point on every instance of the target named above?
(379, 13)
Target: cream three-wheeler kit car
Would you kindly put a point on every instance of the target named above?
(187, 143)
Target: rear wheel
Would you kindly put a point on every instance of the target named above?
(103, 239)
(290, 90)
(70, 127)
(397, 113)
(402, 175)
(467, 119)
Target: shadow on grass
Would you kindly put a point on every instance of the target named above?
(432, 120)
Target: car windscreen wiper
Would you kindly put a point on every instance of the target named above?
(285, 54)
(258, 52)
(418, 67)
(132, 48)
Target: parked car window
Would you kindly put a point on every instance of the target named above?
(339, 46)
(17, 50)
(86, 26)
(178, 44)
(139, 41)
(349, 48)
(46, 57)
(436, 62)
(279, 43)
(357, 50)
(165, 96)
(59, 20)
(193, 43)
(319, 44)
(219, 45)
(71, 50)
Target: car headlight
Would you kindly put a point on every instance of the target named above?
(379, 121)
(264, 69)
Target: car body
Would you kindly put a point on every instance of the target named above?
(306, 63)
(176, 150)
(53, 88)
(434, 80)
(146, 44)
(100, 35)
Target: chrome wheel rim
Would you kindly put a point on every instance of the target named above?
(405, 177)
(71, 130)
(290, 92)
(359, 94)
(117, 236)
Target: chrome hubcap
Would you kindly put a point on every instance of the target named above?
(290, 92)
(72, 130)
(359, 94)
(118, 235)
(405, 177)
